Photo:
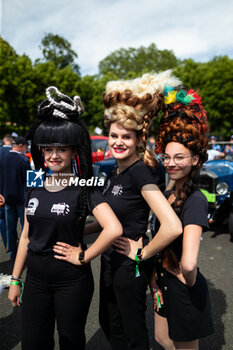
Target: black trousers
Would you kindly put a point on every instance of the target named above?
(58, 290)
(123, 305)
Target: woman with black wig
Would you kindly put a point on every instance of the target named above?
(59, 286)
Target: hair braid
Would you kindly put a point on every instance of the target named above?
(85, 160)
(190, 185)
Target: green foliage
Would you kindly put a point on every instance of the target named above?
(91, 89)
(23, 84)
(17, 89)
(58, 50)
(214, 82)
(131, 62)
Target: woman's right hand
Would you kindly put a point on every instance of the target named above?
(14, 294)
(67, 252)
(127, 246)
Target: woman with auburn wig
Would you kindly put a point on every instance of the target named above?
(131, 193)
(180, 292)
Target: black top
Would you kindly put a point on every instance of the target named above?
(13, 172)
(193, 212)
(124, 196)
(54, 216)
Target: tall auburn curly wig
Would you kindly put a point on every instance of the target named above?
(134, 103)
(185, 121)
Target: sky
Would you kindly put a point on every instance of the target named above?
(199, 29)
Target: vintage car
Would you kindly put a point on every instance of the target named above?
(100, 148)
(216, 182)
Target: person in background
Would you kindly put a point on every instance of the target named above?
(131, 192)
(215, 146)
(59, 282)
(229, 148)
(7, 146)
(13, 168)
(214, 153)
(4, 278)
(151, 142)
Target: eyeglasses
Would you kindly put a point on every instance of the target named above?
(178, 159)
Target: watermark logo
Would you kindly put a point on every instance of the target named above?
(35, 178)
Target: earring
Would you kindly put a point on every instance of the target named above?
(74, 167)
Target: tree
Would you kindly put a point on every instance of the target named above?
(213, 80)
(131, 62)
(16, 93)
(7, 58)
(91, 88)
(58, 50)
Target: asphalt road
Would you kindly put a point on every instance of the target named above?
(215, 262)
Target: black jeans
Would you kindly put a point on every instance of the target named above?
(123, 305)
(58, 290)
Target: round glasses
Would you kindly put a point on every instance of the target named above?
(178, 159)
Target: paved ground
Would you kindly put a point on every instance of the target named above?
(216, 263)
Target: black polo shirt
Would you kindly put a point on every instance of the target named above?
(54, 216)
(123, 194)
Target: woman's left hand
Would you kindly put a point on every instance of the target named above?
(67, 252)
(127, 246)
(2, 200)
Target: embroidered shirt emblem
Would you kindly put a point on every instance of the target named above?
(117, 190)
(60, 209)
(32, 205)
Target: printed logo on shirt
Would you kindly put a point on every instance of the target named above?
(35, 178)
(117, 190)
(60, 208)
(32, 205)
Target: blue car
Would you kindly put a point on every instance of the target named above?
(216, 182)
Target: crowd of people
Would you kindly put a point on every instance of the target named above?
(220, 151)
(59, 282)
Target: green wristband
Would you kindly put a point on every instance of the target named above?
(158, 300)
(18, 283)
(137, 265)
(15, 283)
(136, 258)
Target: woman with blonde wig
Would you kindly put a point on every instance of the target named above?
(130, 107)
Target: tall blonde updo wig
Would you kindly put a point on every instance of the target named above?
(134, 103)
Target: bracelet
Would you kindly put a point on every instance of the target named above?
(15, 283)
(137, 274)
(21, 284)
(136, 258)
(16, 278)
(154, 290)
